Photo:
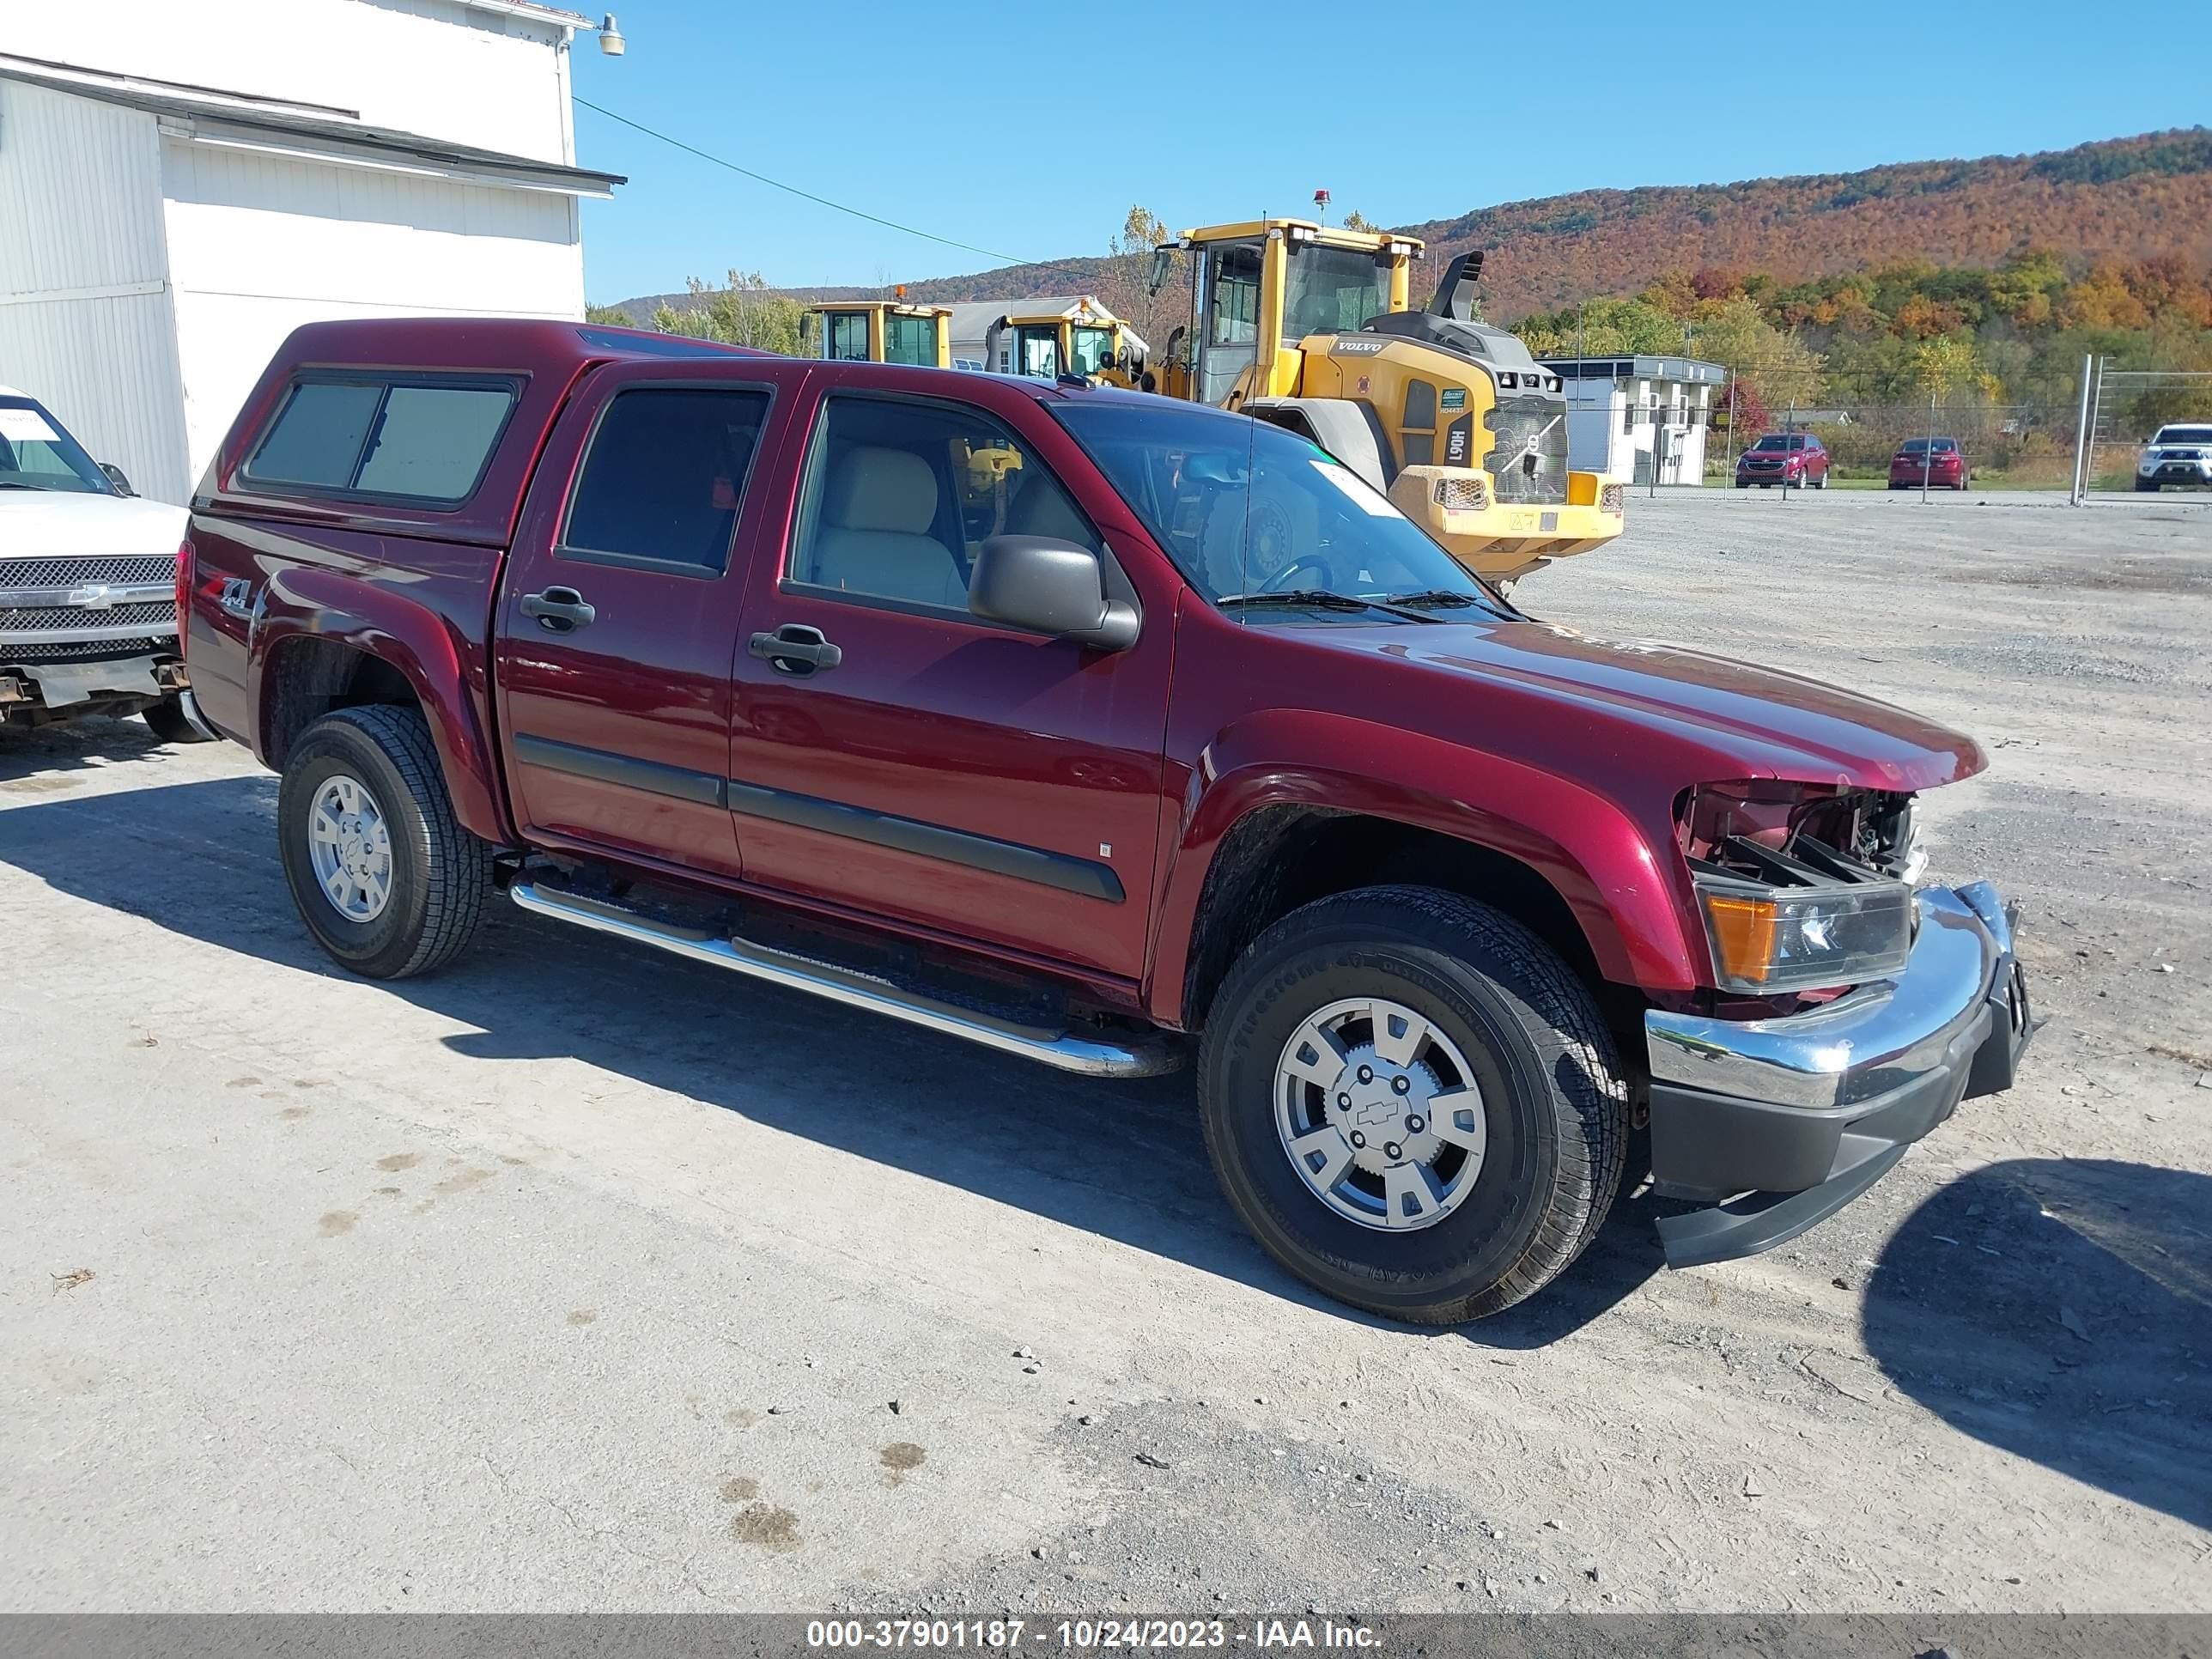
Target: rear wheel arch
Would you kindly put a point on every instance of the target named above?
(304, 676)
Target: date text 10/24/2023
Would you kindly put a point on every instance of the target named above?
(1083, 1635)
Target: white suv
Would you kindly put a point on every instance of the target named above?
(88, 584)
(2179, 454)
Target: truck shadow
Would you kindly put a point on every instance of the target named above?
(70, 745)
(1120, 1158)
(2061, 1309)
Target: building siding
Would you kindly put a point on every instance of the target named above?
(86, 323)
(260, 244)
(431, 66)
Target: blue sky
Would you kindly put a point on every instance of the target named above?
(1030, 130)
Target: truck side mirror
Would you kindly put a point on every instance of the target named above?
(1049, 586)
(1163, 263)
(115, 477)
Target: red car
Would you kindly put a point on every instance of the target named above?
(1935, 463)
(1103, 730)
(1792, 459)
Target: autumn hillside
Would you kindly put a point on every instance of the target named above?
(2124, 198)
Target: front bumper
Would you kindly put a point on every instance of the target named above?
(42, 689)
(1786, 1120)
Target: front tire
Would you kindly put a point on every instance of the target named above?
(1407, 996)
(383, 874)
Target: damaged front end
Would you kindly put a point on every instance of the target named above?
(1851, 1012)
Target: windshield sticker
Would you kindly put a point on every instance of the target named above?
(1455, 396)
(1368, 501)
(26, 425)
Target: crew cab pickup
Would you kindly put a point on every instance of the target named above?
(1106, 731)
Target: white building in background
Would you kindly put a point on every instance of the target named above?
(1626, 414)
(182, 184)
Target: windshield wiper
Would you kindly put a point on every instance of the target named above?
(1442, 599)
(1315, 598)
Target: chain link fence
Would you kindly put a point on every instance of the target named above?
(2122, 410)
(2029, 446)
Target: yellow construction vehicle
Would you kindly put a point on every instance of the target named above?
(1307, 326)
(883, 331)
(1048, 337)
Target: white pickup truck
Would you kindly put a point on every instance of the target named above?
(88, 584)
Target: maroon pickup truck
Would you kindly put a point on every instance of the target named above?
(1103, 730)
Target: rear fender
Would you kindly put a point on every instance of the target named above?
(1606, 869)
(311, 602)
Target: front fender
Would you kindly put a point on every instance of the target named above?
(309, 602)
(1607, 868)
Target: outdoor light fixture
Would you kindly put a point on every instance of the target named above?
(610, 38)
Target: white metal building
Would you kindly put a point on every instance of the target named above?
(181, 185)
(1626, 414)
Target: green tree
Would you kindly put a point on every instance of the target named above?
(1125, 283)
(1779, 366)
(748, 312)
(1355, 220)
(608, 316)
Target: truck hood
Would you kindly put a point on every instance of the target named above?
(49, 524)
(1749, 722)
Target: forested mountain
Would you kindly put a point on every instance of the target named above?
(2127, 199)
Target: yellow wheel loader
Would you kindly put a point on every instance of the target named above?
(1048, 337)
(1307, 326)
(883, 331)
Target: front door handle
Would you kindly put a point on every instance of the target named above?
(795, 648)
(558, 610)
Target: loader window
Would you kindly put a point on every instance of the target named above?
(845, 337)
(1094, 350)
(1332, 290)
(910, 340)
(1232, 319)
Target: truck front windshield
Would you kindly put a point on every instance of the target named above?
(36, 453)
(1332, 290)
(1250, 511)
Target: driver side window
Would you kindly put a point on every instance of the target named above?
(900, 498)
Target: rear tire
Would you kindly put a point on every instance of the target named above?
(1544, 1122)
(166, 719)
(414, 888)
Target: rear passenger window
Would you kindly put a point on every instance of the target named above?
(317, 438)
(664, 476)
(901, 496)
(432, 441)
(421, 440)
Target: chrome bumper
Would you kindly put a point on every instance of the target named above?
(1815, 1107)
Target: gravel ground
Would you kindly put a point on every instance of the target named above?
(577, 1278)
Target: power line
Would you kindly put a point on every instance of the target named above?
(888, 224)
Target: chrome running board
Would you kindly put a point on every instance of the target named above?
(1092, 1056)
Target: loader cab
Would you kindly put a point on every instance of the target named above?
(883, 331)
(1259, 289)
(1044, 339)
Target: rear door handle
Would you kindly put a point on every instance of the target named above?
(558, 610)
(795, 648)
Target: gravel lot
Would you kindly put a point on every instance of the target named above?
(576, 1278)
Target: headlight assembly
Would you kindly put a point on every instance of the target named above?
(1768, 941)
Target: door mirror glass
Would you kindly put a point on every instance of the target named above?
(115, 477)
(1049, 586)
